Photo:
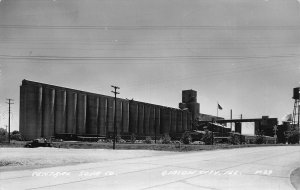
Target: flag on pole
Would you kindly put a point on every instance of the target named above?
(219, 107)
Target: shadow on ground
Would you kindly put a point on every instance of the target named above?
(295, 178)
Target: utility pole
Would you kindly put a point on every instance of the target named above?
(241, 116)
(230, 119)
(115, 118)
(275, 129)
(9, 103)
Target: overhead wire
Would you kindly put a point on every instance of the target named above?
(120, 58)
(153, 27)
(218, 72)
(150, 41)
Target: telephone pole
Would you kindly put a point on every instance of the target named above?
(9, 112)
(115, 118)
(230, 119)
(275, 129)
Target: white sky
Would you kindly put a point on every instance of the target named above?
(242, 53)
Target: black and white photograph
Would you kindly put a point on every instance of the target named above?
(150, 94)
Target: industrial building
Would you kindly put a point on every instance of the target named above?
(48, 110)
(263, 124)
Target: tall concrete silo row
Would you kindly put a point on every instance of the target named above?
(46, 110)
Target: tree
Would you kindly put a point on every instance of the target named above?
(293, 137)
(16, 135)
(3, 135)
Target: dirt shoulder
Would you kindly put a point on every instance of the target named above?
(31, 158)
(70, 153)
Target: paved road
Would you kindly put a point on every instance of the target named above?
(246, 168)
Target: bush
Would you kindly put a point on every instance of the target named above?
(148, 140)
(260, 139)
(132, 138)
(234, 139)
(16, 135)
(166, 139)
(186, 138)
(122, 141)
(15, 132)
(293, 137)
(250, 141)
(207, 138)
(119, 139)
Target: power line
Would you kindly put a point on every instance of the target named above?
(154, 27)
(143, 48)
(150, 41)
(222, 73)
(147, 41)
(120, 58)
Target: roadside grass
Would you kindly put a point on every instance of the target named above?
(9, 163)
(158, 147)
(13, 144)
(140, 146)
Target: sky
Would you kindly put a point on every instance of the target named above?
(243, 54)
